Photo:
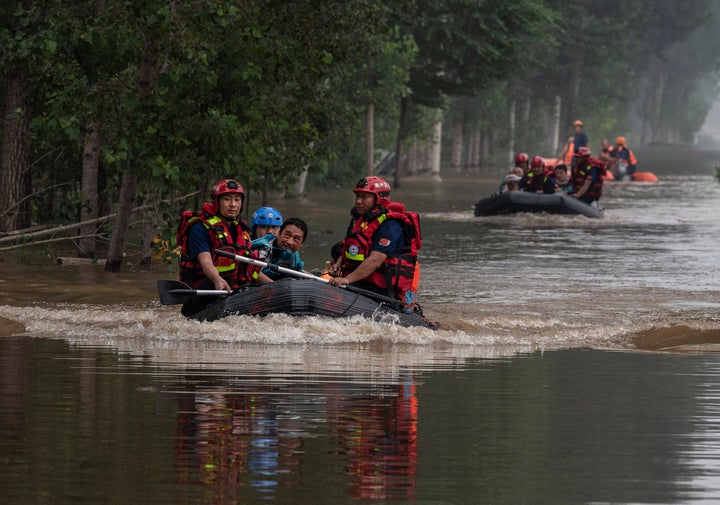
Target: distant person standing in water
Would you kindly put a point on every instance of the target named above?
(580, 139)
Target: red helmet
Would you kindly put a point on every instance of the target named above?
(584, 152)
(375, 185)
(521, 158)
(227, 186)
(537, 161)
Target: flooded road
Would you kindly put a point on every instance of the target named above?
(538, 388)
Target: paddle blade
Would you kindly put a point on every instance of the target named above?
(173, 292)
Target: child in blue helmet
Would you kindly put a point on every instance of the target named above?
(265, 224)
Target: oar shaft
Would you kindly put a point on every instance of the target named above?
(201, 292)
(262, 264)
(296, 273)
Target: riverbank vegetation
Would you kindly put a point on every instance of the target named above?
(118, 114)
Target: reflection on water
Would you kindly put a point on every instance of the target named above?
(88, 425)
(256, 443)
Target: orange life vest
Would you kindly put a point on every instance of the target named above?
(569, 154)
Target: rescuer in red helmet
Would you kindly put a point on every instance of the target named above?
(379, 252)
(539, 179)
(217, 226)
(523, 161)
(587, 177)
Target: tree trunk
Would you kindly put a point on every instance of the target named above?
(511, 120)
(475, 152)
(485, 146)
(370, 139)
(299, 186)
(557, 124)
(400, 140)
(457, 145)
(435, 150)
(128, 184)
(89, 208)
(15, 168)
(116, 251)
(657, 100)
(412, 164)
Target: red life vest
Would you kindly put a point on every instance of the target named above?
(581, 172)
(399, 275)
(536, 183)
(234, 274)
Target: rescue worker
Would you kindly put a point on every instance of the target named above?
(624, 162)
(523, 161)
(538, 180)
(587, 177)
(379, 252)
(218, 226)
(580, 139)
(568, 152)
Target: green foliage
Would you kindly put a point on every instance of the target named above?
(187, 92)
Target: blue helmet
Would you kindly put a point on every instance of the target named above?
(266, 216)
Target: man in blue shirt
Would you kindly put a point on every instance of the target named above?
(580, 139)
(371, 239)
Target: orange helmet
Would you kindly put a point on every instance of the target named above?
(584, 152)
(521, 158)
(577, 123)
(537, 161)
(375, 185)
(225, 186)
(620, 140)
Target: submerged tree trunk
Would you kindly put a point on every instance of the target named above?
(556, 124)
(457, 145)
(129, 179)
(400, 141)
(436, 145)
(412, 162)
(370, 139)
(660, 80)
(89, 207)
(116, 251)
(15, 169)
(511, 120)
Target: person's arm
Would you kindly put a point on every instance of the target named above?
(583, 189)
(264, 279)
(368, 266)
(208, 268)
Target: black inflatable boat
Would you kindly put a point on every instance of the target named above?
(512, 202)
(297, 297)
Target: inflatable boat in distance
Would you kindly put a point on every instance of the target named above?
(513, 202)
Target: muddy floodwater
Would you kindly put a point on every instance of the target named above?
(576, 363)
